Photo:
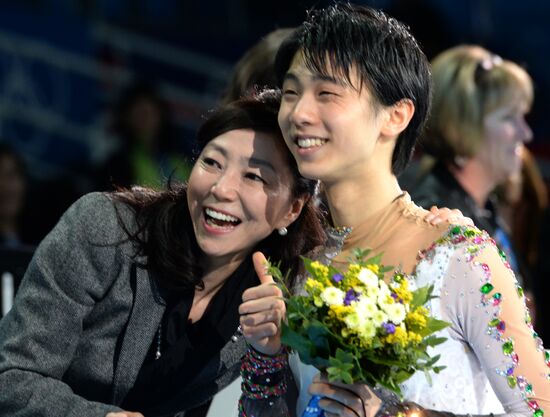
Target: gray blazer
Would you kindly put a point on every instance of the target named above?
(83, 320)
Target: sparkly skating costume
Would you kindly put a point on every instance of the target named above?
(495, 362)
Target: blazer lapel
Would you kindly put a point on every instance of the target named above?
(146, 314)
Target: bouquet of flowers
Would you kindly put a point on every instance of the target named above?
(356, 327)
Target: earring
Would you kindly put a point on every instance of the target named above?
(282, 231)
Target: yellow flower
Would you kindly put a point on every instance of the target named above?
(414, 337)
(400, 337)
(339, 312)
(313, 287)
(402, 291)
(319, 270)
(416, 319)
(374, 268)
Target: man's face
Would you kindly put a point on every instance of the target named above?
(330, 126)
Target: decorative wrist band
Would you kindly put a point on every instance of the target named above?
(262, 376)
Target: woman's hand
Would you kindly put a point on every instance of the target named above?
(438, 215)
(357, 400)
(262, 310)
(124, 414)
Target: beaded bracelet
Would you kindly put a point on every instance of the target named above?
(263, 377)
(259, 374)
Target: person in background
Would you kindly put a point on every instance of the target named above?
(254, 71)
(13, 186)
(146, 154)
(475, 136)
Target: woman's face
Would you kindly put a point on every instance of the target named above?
(505, 131)
(240, 191)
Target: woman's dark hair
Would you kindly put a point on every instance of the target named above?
(389, 62)
(165, 232)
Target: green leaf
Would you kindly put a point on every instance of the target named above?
(302, 345)
(421, 296)
(340, 374)
(318, 333)
(434, 340)
(435, 325)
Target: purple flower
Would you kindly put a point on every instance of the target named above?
(351, 295)
(389, 328)
(337, 277)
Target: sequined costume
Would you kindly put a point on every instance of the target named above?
(495, 362)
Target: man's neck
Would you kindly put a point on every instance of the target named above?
(352, 202)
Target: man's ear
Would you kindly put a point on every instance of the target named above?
(397, 118)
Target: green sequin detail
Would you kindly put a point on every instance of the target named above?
(529, 389)
(487, 288)
(520, 291)
(538, 413)
(455, 230)
(508, 348)
(494, 322)
(470, 233)
(511, 382)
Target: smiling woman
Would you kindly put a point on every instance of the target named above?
(132, 301)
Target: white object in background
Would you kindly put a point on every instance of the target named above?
(225, 403)
(7, 292)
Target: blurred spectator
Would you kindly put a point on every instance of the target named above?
(522, 201)
(13, 186)
(255, 68)
(476, 133)
(146, 153)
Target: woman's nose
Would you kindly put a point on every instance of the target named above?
(226, 187)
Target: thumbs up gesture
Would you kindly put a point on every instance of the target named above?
(262, 310)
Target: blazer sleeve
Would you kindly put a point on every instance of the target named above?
(39, 336)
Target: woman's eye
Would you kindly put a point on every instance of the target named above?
(327, 93)
(211, 162)
(255, 177)
(289, 92)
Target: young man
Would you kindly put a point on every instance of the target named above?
(356, 93)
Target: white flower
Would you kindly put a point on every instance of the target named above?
(366, 307)
(367, 277)
(384, 295)
(367, 330)
(396, 312)
(352, 321)
(379, 317)
(332, 295)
